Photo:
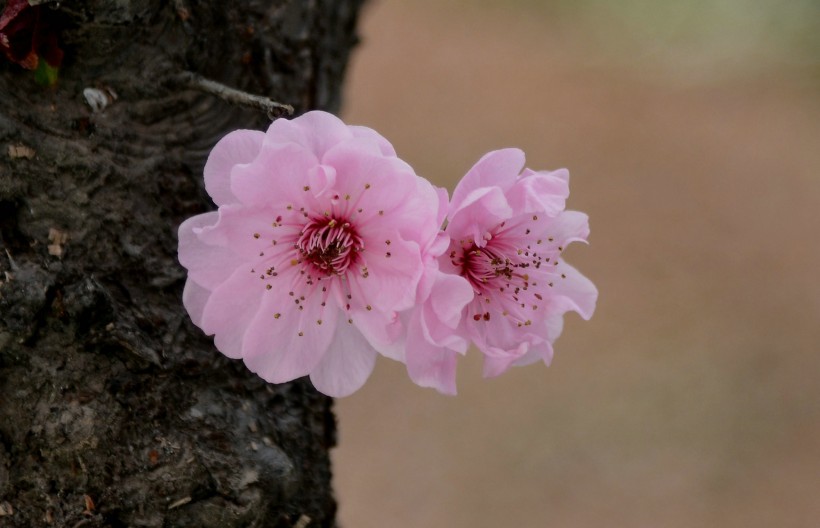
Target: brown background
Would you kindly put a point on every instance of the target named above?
(692, 398)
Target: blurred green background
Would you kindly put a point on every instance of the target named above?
(692, 133)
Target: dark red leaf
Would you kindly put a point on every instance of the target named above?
(25, 36)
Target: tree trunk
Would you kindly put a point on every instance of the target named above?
(114, 409)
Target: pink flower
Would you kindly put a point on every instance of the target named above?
(318, 244)
(507, 230)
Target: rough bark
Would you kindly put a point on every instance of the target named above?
(114, 409)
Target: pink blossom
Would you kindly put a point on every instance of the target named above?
(318, 244)
(507, 230)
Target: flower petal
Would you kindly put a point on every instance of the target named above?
(449, 296)
(194, 298)
(429, 365)
(381, 328)
(316, 131)
(287, 346)
(371, 135)
(209, 265)
(371, 181)
(238, 147)
(572, 292)
(277, 176)
(498, 168)
(544, 351)
(497, 360)
(392, 272)
(443, 204)
(567, 227)
(480, 211)
(502, 339)
(346, 365)
(213, 245)
(540, 192)
(321, 178)
(231, 308)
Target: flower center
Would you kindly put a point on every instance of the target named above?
(330, 244)
(484, 267)
(500, 275)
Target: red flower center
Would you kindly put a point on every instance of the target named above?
(331, 245)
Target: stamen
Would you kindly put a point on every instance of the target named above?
(329, 244)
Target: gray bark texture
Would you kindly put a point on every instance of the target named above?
(114, 409)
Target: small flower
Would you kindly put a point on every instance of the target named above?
(318, 244)
(508, 229)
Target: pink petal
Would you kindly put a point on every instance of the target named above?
(209, 265)
(374, 137)
(289, 346)
(372, 182)
(321, 179)
(555, 326)
(429, 365)
(185, 233)
(432, 343)
(316, 131)
(415, 218)
(541, 352)
(497, 360)
(450, 295)
(212, 252)
(238, 147)
(567, 227)
(194, 298)
(573, 293)
(382, 329)
(498, 168)
(247, 232)
(231, 308)
(277, 176)
(480, 211)
(500, 337)
(393, 273)
(443, 204)
(540, 192)
(346, 365)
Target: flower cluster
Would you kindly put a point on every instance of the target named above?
(327, 250)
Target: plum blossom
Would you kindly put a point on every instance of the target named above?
(507, 230)
(320, 241)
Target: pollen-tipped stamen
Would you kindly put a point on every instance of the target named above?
(329, 244)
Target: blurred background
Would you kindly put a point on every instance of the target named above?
(692, 133)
